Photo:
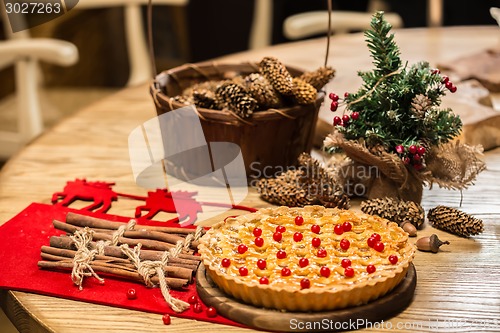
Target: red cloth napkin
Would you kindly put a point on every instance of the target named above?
(21, 239)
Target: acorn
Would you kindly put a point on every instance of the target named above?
(431, 243)
(410, 229)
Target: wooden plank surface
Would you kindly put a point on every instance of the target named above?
(459, 286)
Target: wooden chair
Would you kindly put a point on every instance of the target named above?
(137, 49)
(308, 24)
(24, 52)
(24, 55)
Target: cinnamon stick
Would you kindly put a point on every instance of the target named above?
(174, 283)
(64, 242)
(140, 233)
(99, 235)
(54, 254)
(93, 222)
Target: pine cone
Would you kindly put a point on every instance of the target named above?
(303, 92)
(395, 210)
(285, 190)
(322, 184)
(263, 92)
(310, 184)
(420, 105)
(318, 78)
(204, 99)
(205, 85)
(234, 97)
(182, 99)
(454, 221)
(277, 74)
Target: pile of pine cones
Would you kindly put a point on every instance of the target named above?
(272, 87)
(309, 184)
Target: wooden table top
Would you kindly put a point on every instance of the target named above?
(459, 286)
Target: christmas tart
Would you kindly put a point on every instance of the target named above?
(306, 259)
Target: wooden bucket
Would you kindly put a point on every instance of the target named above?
(270, 140)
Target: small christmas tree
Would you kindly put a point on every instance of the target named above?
(394, 124)
(397, 106)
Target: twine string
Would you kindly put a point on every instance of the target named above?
(115, 237)
(83, 257)
(148, 268)
(329, 2)
(282, 114)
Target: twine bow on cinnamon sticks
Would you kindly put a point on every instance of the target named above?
(93, 248)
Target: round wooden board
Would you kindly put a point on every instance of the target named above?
(329, 321)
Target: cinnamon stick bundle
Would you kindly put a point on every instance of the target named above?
(140, 233)
(174, 283)
(55, 254)
(100, 235)
(64, 242)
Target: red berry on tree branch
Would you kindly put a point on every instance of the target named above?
(334, 106)
(336, 120)
(333, 97)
